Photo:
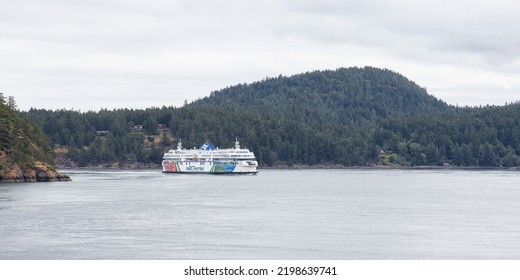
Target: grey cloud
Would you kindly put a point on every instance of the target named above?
(444, 27)
(176, 50)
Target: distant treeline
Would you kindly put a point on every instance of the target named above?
(349, 116)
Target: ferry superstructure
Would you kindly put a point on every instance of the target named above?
(208, 159)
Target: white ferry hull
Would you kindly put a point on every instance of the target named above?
(211, 160)
(170, 166)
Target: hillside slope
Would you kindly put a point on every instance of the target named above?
(345, 117)
(25, 155)
(348, 96)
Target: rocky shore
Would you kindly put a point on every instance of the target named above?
(40, 173)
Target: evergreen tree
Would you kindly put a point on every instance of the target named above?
(11, 103)
(150, 125)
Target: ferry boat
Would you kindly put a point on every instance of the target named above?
(208, 159)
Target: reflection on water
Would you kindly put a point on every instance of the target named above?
(278, 214)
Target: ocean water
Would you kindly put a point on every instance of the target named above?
(277, 214)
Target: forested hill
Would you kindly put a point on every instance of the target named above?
(348, 96)
(346, 117)
(25, 155)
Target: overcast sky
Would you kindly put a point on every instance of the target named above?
(93, 54)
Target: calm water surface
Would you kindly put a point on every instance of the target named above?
(277, 214)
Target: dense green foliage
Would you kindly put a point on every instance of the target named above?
(485, 136)
(20, 141)
(352, 117)
(78, 133)
(347, 96)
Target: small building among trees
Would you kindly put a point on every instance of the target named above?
(102, 133)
